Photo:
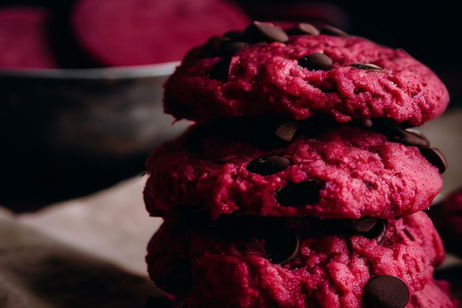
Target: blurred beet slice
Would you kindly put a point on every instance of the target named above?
(137, 32)
(67, 50)
(24, 41)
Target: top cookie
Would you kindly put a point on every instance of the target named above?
(264, 71)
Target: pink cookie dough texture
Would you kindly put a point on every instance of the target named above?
(266, 79)
(329, 271)
(436, 294)
(137, 32)
(360, 171)
(24, 38)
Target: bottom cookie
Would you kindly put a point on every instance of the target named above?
(436, 294)
(297, 263)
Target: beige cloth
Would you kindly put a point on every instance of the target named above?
(38, 272)
(112, 224)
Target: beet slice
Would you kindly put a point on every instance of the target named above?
(137, 32)
(24, 38)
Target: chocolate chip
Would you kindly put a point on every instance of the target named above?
(267, 165)
(220, 70)
(261, 132)
(214, 44)
(331, 30)
(179, 278)
(158, 302)
(234, 35)
(387, 127)
(397, 133)
(300, 194)
(316, 61)
(230, 48)
(304, 28)
(287, 130)
(282, 247)
(386, 292)
(372, 228)
(366, 123)
(259, 32)
(435, 157)
(413, 138)
(367, 67)
(377, 231)
(362, 225)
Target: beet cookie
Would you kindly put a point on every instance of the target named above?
(265, 70)
(435, 294)
(279, 262)
(341, 171)
(301, 183)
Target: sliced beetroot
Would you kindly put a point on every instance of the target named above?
(136, 32)
(67, 49)
(24, 41)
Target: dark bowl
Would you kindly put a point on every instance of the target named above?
(75, 131)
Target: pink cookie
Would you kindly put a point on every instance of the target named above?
(287, 263)
(300, 76)
(136, 32)
(436, 294)
(343, 172)
(24, 39)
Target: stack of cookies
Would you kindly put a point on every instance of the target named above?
(301, 184)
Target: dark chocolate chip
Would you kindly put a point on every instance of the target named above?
(259, 32)
(362, 225)
(366, 123)
(304, 28)
(214, 44)
(261, 132)
(367, 67)
(158, 302)
(413, 138)
(330, 30)
(180, 278)
(282, 247)
(435, 157)
(386, 292)
(372, 228)
(316, 61)
(287, 130)
(326, 227)
(387, 127)
(230, 48)
(300, 194)
(234, 35)
(220, 70)
(395, 132)
(267, 165)
(377, 231)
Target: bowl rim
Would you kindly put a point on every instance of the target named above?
(125, 72)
